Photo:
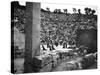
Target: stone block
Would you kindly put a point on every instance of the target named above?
(46, 68)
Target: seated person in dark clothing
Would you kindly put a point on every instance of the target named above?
(50, 48)
(64, 44)
(61, 42)
(56, 43)
(43, 48)
(48, 45)
(53, 47)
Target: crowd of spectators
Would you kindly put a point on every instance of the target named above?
(60, 27)
(56, 27)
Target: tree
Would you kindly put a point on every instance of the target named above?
(59, 10)
(86, 10)
(89, 11)
(48, 9)
(55, 10)
(74, 10)
(79, 11)
(65, 11)
(43, 10)
(93, 11)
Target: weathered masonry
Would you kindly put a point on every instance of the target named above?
(32, 34)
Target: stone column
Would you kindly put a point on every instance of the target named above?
(32, 34)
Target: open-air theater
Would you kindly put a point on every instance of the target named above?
(46, 41)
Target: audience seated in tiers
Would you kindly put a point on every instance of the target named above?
(57, 29)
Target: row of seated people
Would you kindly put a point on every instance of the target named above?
(56, 46)
(81, 51)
